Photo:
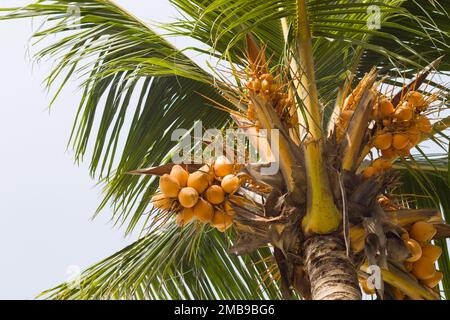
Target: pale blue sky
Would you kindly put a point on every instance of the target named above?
(46, 201)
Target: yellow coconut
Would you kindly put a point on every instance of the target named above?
(431, 251)
(162, 202)
(369, 172)
(169, 186)
(415, 99)
(434, 281)
(382, 165)
(422, 231)
(414, 136)
(383, 141)
(230, 183)
(222, 166)
(188, 197)
(256, 84)
(386, 108)
(185, 217)
(267, 76)
(209, 171)
(423, 269)
(424, 124)
(215, 194)
(404, 152)
(199, 181)
(388, 153)
(400, 141)
(415, 250)
(204, 211)
(265, 85)
(221, 221)
(180, 175)
(403, 113)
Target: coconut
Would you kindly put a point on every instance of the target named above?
(209, 171)
(434, 281)
(404, 152)
(400, 141)
(422, 231)
(180, 175)
(388, 153)
(369, 172)
(221, 221)
(185, 217)
(403, 113)
(267, 76)
(188, 197)
(414, 136)
(162, 202)
(199, 181)
(382, 165)
(424, 124)
(204, 211)
(265, 85)
(256, 85)
(222, 166)
(431, 251)
(215, 194)
(169, 186)
(230, 183)
(415, 250)
(383, 141)
(415, 99)
(386, 108)
(423, 269)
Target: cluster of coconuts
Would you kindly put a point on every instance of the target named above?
(378, 166)
(201, 195)
(421, 263)
(400, 129)
(265, 85)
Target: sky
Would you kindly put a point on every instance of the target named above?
(46, 201)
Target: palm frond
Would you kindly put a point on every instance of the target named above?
(136, 86)
(174, 263)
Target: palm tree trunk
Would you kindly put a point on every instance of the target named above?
(331, 272)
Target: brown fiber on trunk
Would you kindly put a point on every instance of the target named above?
(331, 273)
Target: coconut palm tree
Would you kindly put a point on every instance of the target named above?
(355, 90)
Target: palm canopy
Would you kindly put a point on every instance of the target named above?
(122, 60)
